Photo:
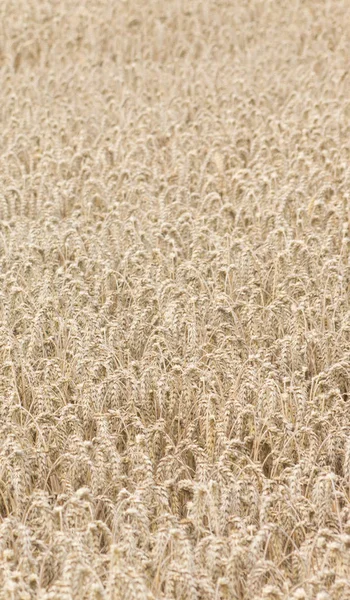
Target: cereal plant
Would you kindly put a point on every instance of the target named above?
(175, 300)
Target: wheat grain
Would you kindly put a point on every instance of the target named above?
(174, 282)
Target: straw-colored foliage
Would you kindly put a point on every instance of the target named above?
(175, 314)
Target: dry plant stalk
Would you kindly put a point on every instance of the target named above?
(175, 315)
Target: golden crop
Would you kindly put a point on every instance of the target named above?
(175, 309)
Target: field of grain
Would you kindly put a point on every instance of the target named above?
(175, 310)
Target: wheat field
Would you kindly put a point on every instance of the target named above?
(175, 312)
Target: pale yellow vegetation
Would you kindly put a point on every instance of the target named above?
(175, 310)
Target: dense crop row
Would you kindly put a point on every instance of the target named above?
(175, 314)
